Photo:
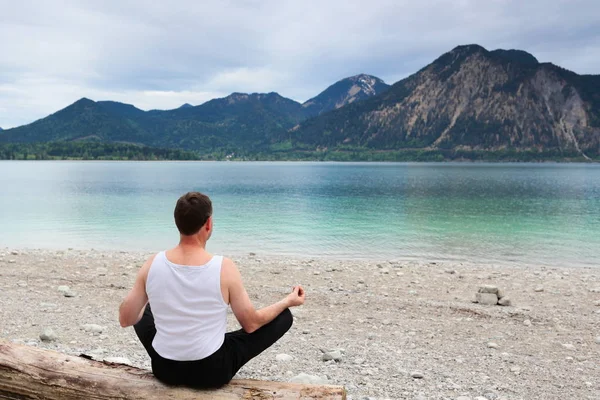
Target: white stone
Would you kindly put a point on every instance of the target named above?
(568, 346)
(417, 375)
(598, 339)
(284, 357)
(463, 398)
(101, 271)
(93, 328)
(335, 355)
(309, 379)
(538, 289)
(118, 360)
(500, 294)
(492, 345)
(487, 298)
(48, 335)
(488, 289)
(450, 271)
(505, 301)
(527, 322)
(63, 289)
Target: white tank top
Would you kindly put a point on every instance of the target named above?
(189, 311)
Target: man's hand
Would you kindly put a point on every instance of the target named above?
(296, 298)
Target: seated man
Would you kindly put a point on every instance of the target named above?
(189, 290)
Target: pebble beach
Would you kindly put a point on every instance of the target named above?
(385, 329)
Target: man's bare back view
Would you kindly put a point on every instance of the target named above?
(178, 306)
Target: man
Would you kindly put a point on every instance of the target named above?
(189, 290)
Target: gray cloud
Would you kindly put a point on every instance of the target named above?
(163, 54)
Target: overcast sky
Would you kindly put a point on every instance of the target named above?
(161, 54)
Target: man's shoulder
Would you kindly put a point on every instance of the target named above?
(229, 270)
(146, 266)
(227, 264)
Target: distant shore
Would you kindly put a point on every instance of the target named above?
(117, 151)
(406, 330)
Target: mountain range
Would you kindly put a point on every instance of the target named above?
(470, 101)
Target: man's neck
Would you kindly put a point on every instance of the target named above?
(192, 243)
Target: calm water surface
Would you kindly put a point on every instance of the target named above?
(546, 214)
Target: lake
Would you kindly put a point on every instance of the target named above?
(506, 214)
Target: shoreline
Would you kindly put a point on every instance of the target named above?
(412, 260)
(393, 320)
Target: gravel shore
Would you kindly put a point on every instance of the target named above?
(388, 329)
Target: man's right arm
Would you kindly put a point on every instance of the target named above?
(249, 318)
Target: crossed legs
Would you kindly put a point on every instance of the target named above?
(238, 348)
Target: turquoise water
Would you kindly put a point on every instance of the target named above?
(544, 214)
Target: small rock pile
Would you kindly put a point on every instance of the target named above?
(491, 295)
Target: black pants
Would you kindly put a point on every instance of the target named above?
(217, 369)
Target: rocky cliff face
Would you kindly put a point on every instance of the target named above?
(470, 99)
(346, 91)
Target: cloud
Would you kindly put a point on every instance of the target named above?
(163, 54)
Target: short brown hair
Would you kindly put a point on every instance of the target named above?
(191, 212)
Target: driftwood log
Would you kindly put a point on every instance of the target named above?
(32, 373)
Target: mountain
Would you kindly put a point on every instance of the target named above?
(346, 91)
(236, 121)
(186, 105)
(83, 120)
(1, 129)
(470, 99)
(468, 103)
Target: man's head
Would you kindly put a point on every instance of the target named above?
(193, 213)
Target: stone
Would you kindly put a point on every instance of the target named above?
(481, 398)
(309, 379)
(48, 335)
(417, 375)
(284, 357)
(492, 345)
(598, 339)
(101, 271)
(93, 328)
(118, 360)
(538, 289)
(463, 398)
(527, 322)
(450, 271)
(597, 303)
(487, 298)
(488, 289)
(505, 301)
(568, 346)
(500, 294)
(12, 261)
(335, 355)
(14, 253)
(64, 289)
(516, 370)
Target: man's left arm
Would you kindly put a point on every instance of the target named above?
(132, 307)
